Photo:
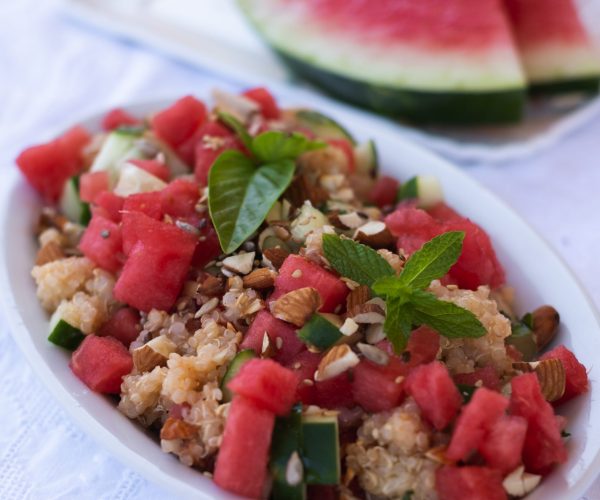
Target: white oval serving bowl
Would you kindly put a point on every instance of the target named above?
(535, 271)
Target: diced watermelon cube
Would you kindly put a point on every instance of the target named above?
(147, 203)
(384, 192)
(48, 166)
(268, 384)
(412, 226)
(123, 325)
(503, 444)
(377, 388)
(101, 363)
(335, 392)
(487, 376)
(153, 167)
(91, 184)
(577, 378)
(241, 465)
(118, 117)
(179, 122)
(135, 225)
(179, 200)
(304, 365)
(544, 446)
(266, 101)
(436, 394)
(422, 348)
(208, 247)
(333, 291)
(102, 243)
(474, 421)
(109, 205)
(469, 483)
(265, 322)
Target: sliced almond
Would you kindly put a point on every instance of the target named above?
(276, 255)
(374, 354)
(336, 361)
(297, 306)
(333, 319)
(50, 252)
(551, 374)
(518, 483)
(211, 286)
(438, 455)
(241, 263)
(268, 348)
(375, 333)
(357, 297)
(152, 354)
(351, 220)
(349, 327)
(375, 234)
(175, 428)
(368, 313)
(260, 279)
(545, 325)
(294, 471)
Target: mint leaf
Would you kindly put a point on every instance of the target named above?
(447, 318)
(241, 195)
(398, 323)
(353, 260)
(234, 124)
(273, 146)
(389, 285)
(433, 260)
(408, 190)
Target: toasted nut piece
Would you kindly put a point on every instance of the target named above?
(268, 348)
(211, 286)
(302, 189)
(352, 220)
(375, 333)
(260, 279)
(175, 428)
(357, 297)
(294, 471)
(349, 327)
(240, 263)
(375, 234)
(333, 319)
(367, 313)
(50, 252)
(337, 360)
(51, 218)
(374, 354)
(550, 373)
(438, 454)
(545, 325)
(393, 259)
(276, 255)
(297, 306)
(152, 354)
(518, 483)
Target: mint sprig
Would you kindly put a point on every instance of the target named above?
(242, 189)
(408, 304)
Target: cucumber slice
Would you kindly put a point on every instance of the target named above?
(366, 158)
(241, 358)
(321, 125)
(321, 449)
(71, 205)
(63, 334)
(118, 147)
(287, 439)
(523, 339)
(425, 188)
(319, 332)
(134, 180)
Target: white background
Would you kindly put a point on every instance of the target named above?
(52, 68)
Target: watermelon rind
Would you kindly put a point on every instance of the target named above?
(587, 86)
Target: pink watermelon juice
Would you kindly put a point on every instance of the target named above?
(310, 349)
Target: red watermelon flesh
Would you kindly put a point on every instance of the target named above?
(91, 184)
(153, 167)
(264, 321)
(123, 325)
(304, 365)
(384, 192)
(422, 347)
(208, 247)
(486, 376)
(412, 226)
(48, 166)
(469, 483)
(474, 421)
(102, 243)
(503, 444)
(266, 101)
(179, 200)
(543, 447)
(334, 392)
(179, 121)
(577, 379)
(333, 291)
(137, 224)
(109, 205)
(101, 363)
(268, 384)
(377, 388)
(118, 117)
(146, 203)
(241, 465)
(435, 393)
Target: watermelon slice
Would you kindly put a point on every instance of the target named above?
(503, 444)
(472, 483)
(557, 53)
(428, 61)
(377, 388)
(304, 365)
(123, 325)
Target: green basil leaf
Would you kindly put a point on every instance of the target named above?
(398, 323)
(238, 127)
(433, 260)
(241, 195)
(353, 260)
(273, 146)
(447, 318)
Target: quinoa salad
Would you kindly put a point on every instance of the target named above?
(243, 282)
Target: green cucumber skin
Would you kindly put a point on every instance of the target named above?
(318, 123)
(321, 450)
(409, 190)
(589, 86)
(456, 108)
(319, 332)
(66, 336)
(240, 359)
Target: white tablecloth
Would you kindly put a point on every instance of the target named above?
(51, 68)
